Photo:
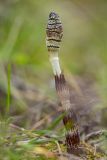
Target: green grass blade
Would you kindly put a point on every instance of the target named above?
(56, 122)
(8, 88)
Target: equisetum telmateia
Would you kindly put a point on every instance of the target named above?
(54, 34)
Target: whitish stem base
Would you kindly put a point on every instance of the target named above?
(55, 65)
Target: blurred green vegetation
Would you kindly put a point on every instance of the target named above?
(83, 50)
(22, 46)
(22, 30)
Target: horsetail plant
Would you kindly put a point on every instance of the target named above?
(54, 34)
